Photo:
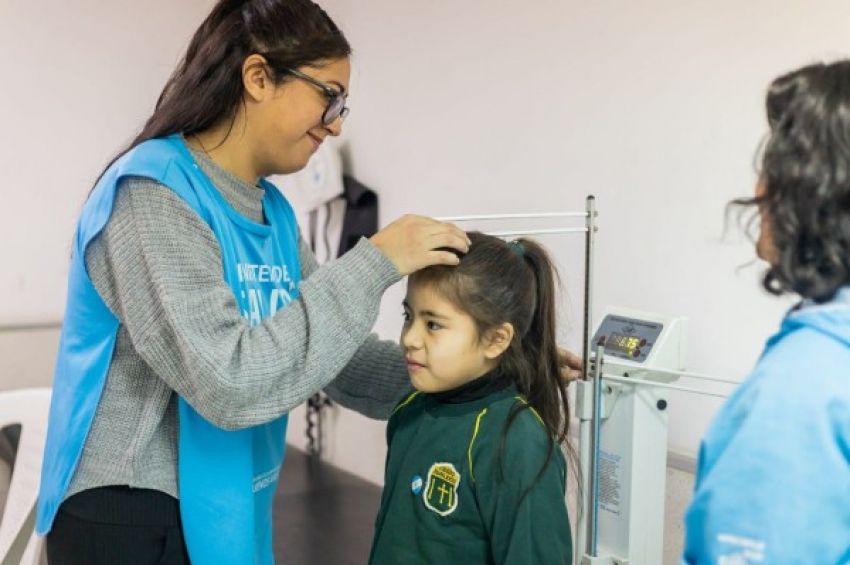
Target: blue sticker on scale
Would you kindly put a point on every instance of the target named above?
(416, 484)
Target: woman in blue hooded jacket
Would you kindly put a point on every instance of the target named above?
(773, 479)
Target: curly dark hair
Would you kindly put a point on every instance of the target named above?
(805, 172)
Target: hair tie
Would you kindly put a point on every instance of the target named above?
(517, 247)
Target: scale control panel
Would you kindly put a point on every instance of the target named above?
(627, 338)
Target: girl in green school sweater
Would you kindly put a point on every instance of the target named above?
(475, 473)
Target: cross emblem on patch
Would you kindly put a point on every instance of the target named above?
(440, 494)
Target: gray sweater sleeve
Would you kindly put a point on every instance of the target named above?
(184, 322)
(376, 378)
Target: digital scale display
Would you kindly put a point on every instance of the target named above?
(625, 344)
(627, 338)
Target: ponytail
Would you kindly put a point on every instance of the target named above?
(544, 387)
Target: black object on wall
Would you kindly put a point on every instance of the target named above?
(361, 214)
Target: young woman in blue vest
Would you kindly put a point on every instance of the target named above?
(196, 318)
(773, 480)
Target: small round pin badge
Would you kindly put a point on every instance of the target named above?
(416, 484)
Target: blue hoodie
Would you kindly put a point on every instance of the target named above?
(773, 480)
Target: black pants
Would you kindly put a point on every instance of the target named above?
(117, 526)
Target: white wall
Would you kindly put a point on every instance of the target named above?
(79, 79)
(653, 106)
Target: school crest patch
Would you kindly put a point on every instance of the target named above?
(440, 494)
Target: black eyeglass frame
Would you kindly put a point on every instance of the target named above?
(336, 98)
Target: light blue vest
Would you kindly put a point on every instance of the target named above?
(227, 479)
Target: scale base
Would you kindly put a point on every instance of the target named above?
(602, 560)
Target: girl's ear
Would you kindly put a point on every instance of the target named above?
(497, 340)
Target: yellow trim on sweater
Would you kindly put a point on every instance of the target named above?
(406, 401)
(533, 411)
(472, 441)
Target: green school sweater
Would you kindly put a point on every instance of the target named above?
(446, 502)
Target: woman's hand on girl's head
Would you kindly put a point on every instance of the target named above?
(415, 242)
(571, 365)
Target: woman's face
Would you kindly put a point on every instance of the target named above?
(286, 125)
(765, 248)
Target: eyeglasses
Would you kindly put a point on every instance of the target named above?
(336, 98)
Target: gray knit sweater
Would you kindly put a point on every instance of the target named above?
(158, 267)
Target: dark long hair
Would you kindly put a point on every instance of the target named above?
(805, 170)
(206, 87)
(498, 282)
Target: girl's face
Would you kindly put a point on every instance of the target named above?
(442, 345)
(764, 244)
(285, 121)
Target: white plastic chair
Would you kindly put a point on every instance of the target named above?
(27, 408)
